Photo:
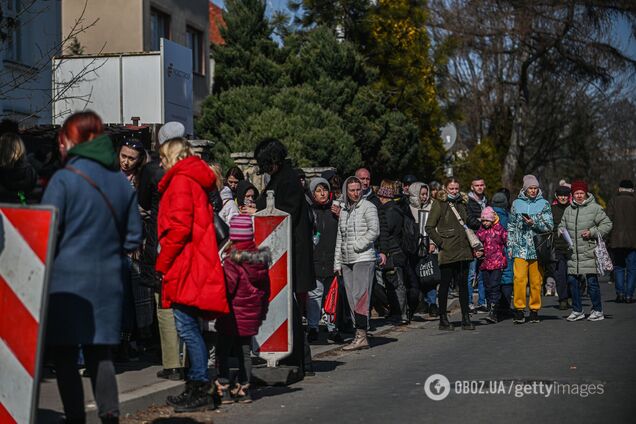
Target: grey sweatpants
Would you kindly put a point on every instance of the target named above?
(358, 281)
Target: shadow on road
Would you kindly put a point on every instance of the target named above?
(326, 366)
(269, 391)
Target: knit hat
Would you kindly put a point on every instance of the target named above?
(170, 130)
(499, 200)
(386, 191)
(579, 185)
(530, 181)
(318, 180)
(241, 228)
(488, 214)
(563, 190)
(626, 184)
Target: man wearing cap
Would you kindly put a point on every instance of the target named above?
(622, 241)
(149, 196)
(560, 268)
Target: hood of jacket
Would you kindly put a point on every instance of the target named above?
(590, 199)
(99, 149)
(347, 203)
(414, 195)
(193, 168)
(242, 188)
(248, 253)
(442, 196)
(523, 196)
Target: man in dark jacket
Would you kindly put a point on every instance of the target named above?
(364, 176)
(271, 156)
(623, 240)
(392, 257)
(560, 268)
(477, 201)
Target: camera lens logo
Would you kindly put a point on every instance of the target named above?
(437, 387)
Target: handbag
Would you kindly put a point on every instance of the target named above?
(474, 241)
(221, 229)
(427, 269)
(331, 299)
(544, 246)
(603, 261)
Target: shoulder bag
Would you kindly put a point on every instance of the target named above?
(474, 241)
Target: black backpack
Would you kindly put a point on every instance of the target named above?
(410, 235)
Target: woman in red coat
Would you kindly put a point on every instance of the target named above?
(247, 278)
(193, 282)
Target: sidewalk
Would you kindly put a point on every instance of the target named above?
(139, 387)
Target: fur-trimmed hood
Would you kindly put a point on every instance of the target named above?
(442, 196)
(261, 256)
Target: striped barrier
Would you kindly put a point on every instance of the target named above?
(273, 229)
(27, 237)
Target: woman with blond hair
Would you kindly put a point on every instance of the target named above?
(17, 175)
(193, 283)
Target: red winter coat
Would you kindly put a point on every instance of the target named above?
(247, 279)
(188, 256)
(494, 240)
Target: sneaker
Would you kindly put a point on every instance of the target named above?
(596, 316)
(483, 309)
(575, 316)
(433, 311)
(492, 315)
(520, 317)
(534, 317)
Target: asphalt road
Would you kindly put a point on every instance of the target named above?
(387, 383)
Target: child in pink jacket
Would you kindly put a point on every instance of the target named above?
(494, 238)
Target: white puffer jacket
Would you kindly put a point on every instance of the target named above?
(358, 228)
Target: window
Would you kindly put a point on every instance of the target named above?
(12, 25)
(194, 40)
(159, 28)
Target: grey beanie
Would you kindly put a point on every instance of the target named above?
(530, 181)
(170, 130)
(314, 183)
(499, 200)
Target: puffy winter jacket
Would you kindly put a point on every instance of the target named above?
(494, 240)
(622, 211)
(508, 273)
(576, 219)
(188, 257)
(520, 234)
(445, 230)
(358, 229)
(391, 220)
(248, 289)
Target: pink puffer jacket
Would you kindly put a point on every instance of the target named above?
(494, 240)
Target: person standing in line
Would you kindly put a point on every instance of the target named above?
(501, 205)
(188, 263)
(96, 207)
(562, 250)
(477, 202)
(455, 253)
(233, 177)
(585, 221)
(494, 238)
(18, 177)
(354, 259)
(622, 211)
(530, 215)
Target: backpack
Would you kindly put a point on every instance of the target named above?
(410, 235)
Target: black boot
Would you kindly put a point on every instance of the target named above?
(466, 324)
(183, 396)
(492, 315)
(200, 399)
(433, 311)
(444, 324)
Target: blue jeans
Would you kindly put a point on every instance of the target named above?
(625, 271)
(430, 295)
(480, 285)
(190, 333)
(315, 302)
(593, 289)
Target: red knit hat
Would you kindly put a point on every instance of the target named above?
(579, 185)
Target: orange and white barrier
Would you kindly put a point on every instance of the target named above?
(27, 237)
(273, 229)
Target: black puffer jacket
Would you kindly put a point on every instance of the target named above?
(474, 213)
(560, 245)
(390, 240)
(326, 223)
(20, 178)
(149, 197)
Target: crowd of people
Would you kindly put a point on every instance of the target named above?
(160, 239)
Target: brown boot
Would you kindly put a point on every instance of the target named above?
(359, 342)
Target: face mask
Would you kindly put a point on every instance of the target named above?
(453, 196)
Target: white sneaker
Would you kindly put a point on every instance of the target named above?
(576, 316)
(596, 316)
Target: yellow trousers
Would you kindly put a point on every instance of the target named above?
(524, 271)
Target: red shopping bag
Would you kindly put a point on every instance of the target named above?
(331, 300)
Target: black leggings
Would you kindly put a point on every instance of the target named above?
(457, 272)
(99, 363)
(241, 347)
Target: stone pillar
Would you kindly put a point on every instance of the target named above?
(203, 148)
(247, 164)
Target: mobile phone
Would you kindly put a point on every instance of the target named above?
(525, 215)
